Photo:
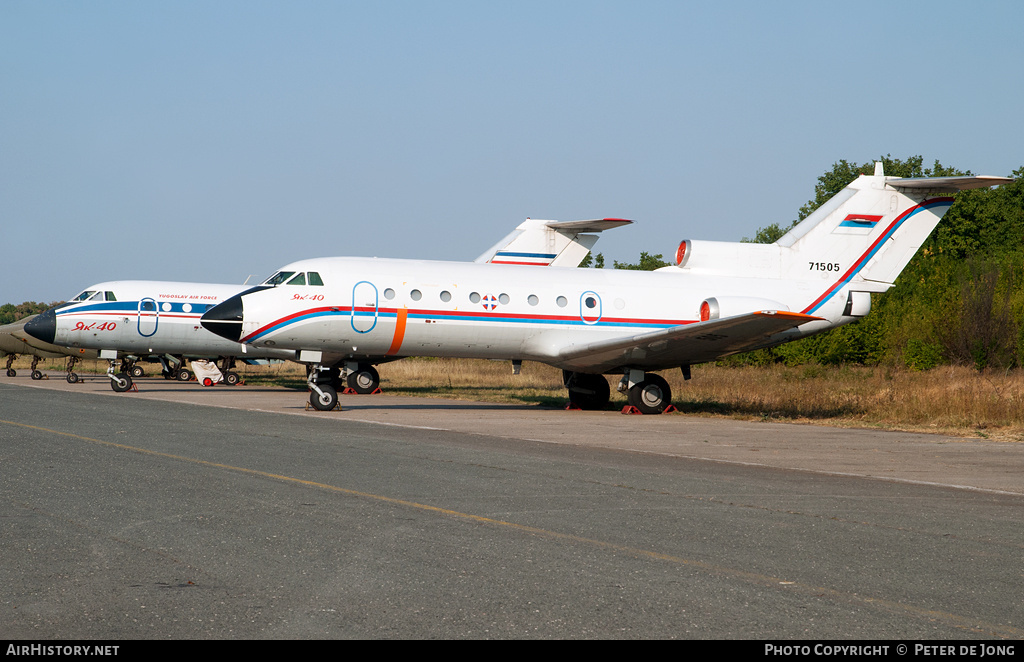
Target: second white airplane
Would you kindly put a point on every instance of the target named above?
(720, 299)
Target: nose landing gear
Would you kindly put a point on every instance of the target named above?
(323, 395)
(120, 381)
(72, 378)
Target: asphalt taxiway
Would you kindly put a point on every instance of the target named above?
(968, 463)
(179, 511)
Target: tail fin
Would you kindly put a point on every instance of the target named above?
(549, 243)
(863, 237)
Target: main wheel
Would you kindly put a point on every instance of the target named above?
(120, 382)
(652, 395)
(231, 378)
(72, 378)
(589, 392)
(37, 375)
(325, 401)
(364, 380)
(137, 371)
(11, 372)
(183, 375)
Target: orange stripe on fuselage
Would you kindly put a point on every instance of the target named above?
(396, 343)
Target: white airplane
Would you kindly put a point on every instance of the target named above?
(128, 320)
(720, 299)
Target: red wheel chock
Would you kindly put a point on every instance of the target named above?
(630, 409)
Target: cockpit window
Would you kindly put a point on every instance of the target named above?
(314, 279)
(84, 295)
(298, 280)
(279, 277)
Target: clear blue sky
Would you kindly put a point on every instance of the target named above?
(201, 141)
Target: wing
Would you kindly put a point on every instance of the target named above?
(684, 344)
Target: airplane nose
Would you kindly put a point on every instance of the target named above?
(43, 326)
(225, 319)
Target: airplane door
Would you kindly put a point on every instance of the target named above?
(149, 317)
(364, 306)
(590, 307)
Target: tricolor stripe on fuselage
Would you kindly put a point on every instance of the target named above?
(459, 316)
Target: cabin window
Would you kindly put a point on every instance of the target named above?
(446, 296)
(590, 302)
(279, 277)
(389, 294)
(562, 302)
(416, 295)
(148, 305)
(474, 297)
(298, 280)
(503, 298)
(532, 300)
(314, 279)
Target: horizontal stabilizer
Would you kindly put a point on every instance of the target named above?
(684, 344)
(948, 184)
(549, 243)
(595, 225)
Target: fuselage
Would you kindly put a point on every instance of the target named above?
(371, 308)
(143, 318)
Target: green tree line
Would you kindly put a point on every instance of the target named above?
(10, 312)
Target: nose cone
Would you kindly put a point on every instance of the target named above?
(43, 326)
(225, 319)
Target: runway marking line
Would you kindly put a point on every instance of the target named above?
(953, 620)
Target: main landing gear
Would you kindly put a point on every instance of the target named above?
(587, 392)
(646, 392)
(173, 367)
(231, 378)
(11, 372)
(363, 378)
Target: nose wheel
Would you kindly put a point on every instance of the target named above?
(323, 396)
(119, 381)
(72, 378)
